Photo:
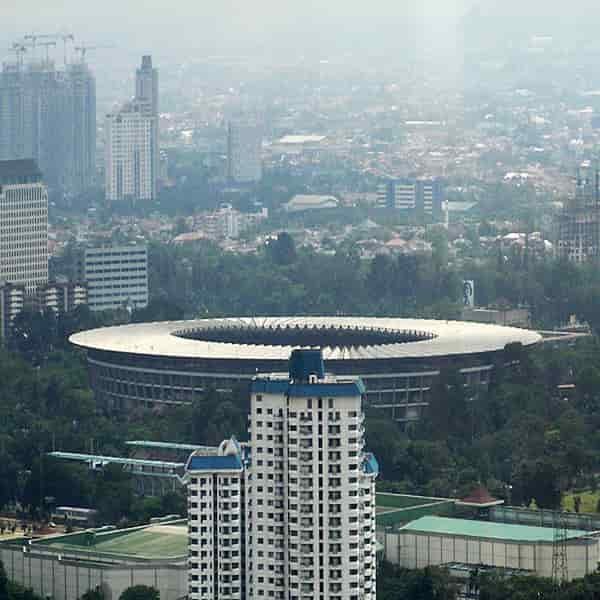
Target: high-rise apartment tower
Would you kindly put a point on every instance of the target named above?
(131, 145)
(291, 515)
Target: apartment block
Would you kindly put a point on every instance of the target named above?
(291, 515)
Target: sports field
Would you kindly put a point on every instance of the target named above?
(158, 541)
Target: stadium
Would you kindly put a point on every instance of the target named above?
(166, 363)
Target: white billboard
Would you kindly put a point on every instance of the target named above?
(468, 293)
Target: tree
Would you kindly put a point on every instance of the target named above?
(140, 592)
(283, 249)
(3, 583)
(96, 594)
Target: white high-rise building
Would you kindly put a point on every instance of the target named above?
(128, 154)
(244, 152)
(23, 225)
(216, 523)
(131, 146)
(294, 510)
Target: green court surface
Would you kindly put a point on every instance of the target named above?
(486, 529)
(390, 501)
(145, 543)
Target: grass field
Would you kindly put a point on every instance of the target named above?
(153, 542)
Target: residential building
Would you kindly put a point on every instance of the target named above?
(128, 155)
(244, 152)
(216, 512)
(116, 277)
(12, 300)
(131, 161)
(23, 225)
(423, 196)
(62, 296)
(292, 514)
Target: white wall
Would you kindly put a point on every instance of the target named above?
(68, 580)
(416, 551)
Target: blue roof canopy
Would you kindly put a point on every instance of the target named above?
(214, 463)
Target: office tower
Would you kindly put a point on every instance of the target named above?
(128, 155)
(50, 115)
(116, 277)
(244, 148)
(23, 225)
(578, 226)
(423, 196)
(146, 95)
(146, 86)
(293, 512)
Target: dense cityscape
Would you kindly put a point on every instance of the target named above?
(301, 307)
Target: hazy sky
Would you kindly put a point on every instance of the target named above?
(212, 20)
(169, 28)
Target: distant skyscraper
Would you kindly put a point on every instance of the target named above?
(290, 515)
(244, 148)
(131, 146)
(23, 225)
(146, 95)
(49, 115)
(146, 86)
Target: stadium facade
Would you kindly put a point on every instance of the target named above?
(167, 363)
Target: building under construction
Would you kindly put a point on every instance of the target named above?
(578, 230)
(48, 113)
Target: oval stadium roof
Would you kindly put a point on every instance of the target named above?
(273, 338)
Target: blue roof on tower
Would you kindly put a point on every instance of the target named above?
(214, 463)
(329, 389)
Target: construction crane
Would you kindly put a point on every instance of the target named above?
(34, 37)
(83, 50)
(19, 49)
